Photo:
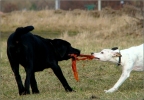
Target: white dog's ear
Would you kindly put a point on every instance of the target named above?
(114, 48)
(116, 54)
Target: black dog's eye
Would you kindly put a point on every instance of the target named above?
(102, 52)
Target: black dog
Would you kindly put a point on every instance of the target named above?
(35, 54)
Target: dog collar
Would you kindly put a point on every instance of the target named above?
(119, 61)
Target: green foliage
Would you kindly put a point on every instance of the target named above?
(33, 7)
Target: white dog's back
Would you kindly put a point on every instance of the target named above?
(135, 54)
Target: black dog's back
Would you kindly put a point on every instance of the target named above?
(23, 46)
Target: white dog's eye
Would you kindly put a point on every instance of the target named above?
(102, 52)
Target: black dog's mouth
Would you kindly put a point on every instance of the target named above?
(74, 52)
(73, 55)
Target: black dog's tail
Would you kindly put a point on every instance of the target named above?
(22, 30)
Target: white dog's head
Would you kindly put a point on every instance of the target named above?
(107, 54)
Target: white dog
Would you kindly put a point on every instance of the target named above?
(130, 59)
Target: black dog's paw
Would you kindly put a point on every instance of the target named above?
(68, 89)
(24, 93)
(35, 91)
(73, 91)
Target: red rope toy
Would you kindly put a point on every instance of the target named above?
(74, 58)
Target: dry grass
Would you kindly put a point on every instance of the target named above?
(89, 33)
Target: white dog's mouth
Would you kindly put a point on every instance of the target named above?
(97, 58)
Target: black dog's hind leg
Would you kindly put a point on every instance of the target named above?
(15, 68)
(34, 84)
(57, 70)
(29, 71)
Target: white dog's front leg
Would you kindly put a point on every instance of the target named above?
(123, 77)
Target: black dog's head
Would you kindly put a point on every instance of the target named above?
(63, 49)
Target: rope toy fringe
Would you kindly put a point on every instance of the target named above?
(74, 58)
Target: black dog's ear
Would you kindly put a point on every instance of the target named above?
(114, 48)
(22, 30)
(19, 29)
(28, 29)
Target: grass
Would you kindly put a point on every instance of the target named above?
(86, 32)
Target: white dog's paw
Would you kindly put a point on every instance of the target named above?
(110, 90)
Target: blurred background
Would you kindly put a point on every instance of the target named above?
(13, 5)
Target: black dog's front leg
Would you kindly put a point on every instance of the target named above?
(57, 70)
